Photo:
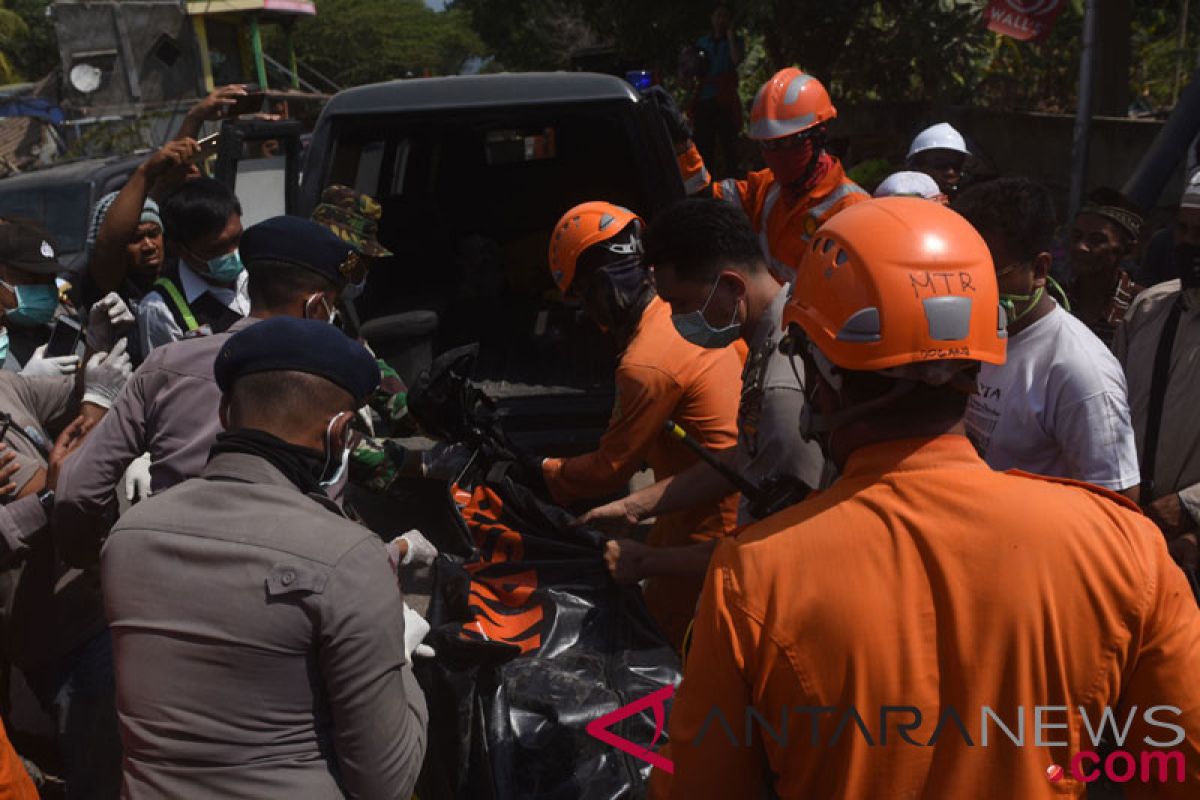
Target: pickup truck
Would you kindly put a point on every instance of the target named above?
(472, 173)
(62, 198)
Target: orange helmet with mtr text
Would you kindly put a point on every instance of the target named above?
(790, 102)
(584, 226)
(899, 281)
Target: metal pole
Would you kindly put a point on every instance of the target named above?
(1083, 110)
(291, 48)
(1169, 148)
(260, 68)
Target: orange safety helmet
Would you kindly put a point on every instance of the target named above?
(899, 281)
(790, 102)
(584, 226)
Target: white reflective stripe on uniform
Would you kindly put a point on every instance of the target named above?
(697, 181)
(730, 193)
(843, 190)
(779, 269)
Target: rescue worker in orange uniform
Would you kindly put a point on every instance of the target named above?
(15, 783)
(888, 611)
(595, 255)
(803, 185)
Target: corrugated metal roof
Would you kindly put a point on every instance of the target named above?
(480, 91)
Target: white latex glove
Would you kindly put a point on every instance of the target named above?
(416, 628)
(137, 478)
(104, 376)
(55, 366)
(108, 319)
(420, 550)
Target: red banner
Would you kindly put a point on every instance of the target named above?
(1026, 20)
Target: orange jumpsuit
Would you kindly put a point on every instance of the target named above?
(921, 578)
(784, 224)
(15, 783)
(661, 376)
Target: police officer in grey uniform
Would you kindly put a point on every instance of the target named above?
(708, 266)
(297, 268)
(259, 634)
(51, 619)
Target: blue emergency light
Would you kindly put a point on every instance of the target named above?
(641, 79)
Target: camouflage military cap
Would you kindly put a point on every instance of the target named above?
(352, 216)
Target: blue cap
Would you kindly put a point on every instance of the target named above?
(298, 345)
(299, 242)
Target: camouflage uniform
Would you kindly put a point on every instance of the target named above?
(355, 218)
(370, 465)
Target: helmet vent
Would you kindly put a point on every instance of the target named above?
(605, 221)
(949, 318)
(863, 326)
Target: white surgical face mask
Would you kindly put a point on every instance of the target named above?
(333, 470)
(331, 314)
(695, 328)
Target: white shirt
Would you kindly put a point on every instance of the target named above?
(156, 324)
(1058, 406)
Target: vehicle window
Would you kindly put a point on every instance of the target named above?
(398, 174)
(358, 163)
(63, 210)
(370, 164)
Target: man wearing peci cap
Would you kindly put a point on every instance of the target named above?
(259, 635)
(1104, 239)
(169, 409)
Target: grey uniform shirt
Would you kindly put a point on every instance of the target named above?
(30, 403)
(48, 609)
(769, 441)
(168, 408)
(259, 645)
(1177, 467)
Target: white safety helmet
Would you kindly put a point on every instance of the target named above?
(938, 137)
(908, 184)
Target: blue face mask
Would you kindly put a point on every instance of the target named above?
(3, 347)
(224, 269)
(36, 304)
(695, 328)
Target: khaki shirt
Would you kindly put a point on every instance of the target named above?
(48, 609)
(168, 408)
(1177, 464)
(769, 440)
(259, 645)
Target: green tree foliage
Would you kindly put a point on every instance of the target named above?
(896, 50)
(13, 33)
(363, 41)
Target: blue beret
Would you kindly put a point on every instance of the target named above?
(298, 242)
(298, 345)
